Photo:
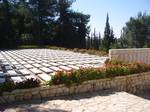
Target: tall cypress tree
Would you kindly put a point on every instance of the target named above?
(108, 35)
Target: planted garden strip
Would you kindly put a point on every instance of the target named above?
(132, 83)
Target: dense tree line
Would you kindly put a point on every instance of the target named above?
(42, 22)
(53, 22)
(136, 33)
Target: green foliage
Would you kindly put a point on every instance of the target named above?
(117, 71)
(7, 86)
(109, 38)
(28, 47)
(10, 85)
(42, 22)
(91, 51)
(29, 83)
(136, 33)
(114, 62)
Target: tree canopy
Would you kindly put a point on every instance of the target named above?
(136, 33)
(42, 22)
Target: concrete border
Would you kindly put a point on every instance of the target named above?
(131, 55)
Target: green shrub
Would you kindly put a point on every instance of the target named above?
(10, 85)
(117, 71)
(28, 47)
(76, 77)
(114, 62)
(7, 86)
(29, 83)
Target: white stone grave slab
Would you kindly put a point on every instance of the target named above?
(23, 62)
(36, 71)
(55, 68)
(28, 66)
(6, 63)
(62, 63)
(45, 77)
(46, 70)
(1, 74)
(12, 72)
(25, 72)
(52, 74)
(31, 62)
(18, 67)
(16, 79)
(15, 63)
(97, 65)
(37, 65)
(45, 61)
(65, 68)
(2, 80)
(30, 77)
(8, 68)
(70, 63)
(54, 64)
(74, 67)
(37, 61)
(45, 64)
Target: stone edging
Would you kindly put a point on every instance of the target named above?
(132, 83)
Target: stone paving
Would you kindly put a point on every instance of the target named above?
(43, 63)
(101, 101)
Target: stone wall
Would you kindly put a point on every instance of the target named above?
(131, 83)
(131, 55)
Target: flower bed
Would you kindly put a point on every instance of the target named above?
(112, 69)
(134, 83)
(117, 75)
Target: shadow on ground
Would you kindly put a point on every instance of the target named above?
(145, 94)
(27, 105)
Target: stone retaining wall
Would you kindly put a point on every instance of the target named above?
(132, 83)
(131, 55)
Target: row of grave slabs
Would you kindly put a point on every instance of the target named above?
(42, 64)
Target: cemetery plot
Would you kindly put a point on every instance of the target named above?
(19, 65)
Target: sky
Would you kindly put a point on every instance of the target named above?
(119, 12)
